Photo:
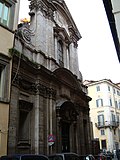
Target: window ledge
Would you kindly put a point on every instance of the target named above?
(5, 27)
(4, 100)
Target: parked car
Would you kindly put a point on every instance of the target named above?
(24, 157)
(87, 157)
(90, 157)
(102, 157)
(64, 156)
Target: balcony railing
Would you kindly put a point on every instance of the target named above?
(105, 124)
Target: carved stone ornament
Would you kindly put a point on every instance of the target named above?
(35, 88)
(46, 9)
(62, 34)
(24, 32)
(74, 36)
(69, 115)
(43, 90)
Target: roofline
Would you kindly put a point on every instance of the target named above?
(92, 82)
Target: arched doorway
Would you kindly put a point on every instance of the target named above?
(65, 127)
(68, 116)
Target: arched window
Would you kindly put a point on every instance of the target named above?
(60, 53)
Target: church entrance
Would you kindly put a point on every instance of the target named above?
(68, 116)
(65, 137)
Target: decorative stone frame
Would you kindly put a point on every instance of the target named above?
(5, 64)
(61, 35)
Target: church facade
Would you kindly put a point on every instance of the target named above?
(49, 109)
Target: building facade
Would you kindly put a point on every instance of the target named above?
(49, 110)
(105, 112)
(8, 23)
(112, 8)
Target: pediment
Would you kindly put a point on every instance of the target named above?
(62, 7)
(67, 77)
(49, 9)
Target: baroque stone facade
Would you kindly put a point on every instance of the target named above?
(47, 94)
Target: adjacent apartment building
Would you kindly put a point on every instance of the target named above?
(8, 22)
(105, 112)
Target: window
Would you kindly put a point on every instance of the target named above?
(117, 118)
(118, 93)
(108, 88)
(4, 78)
(119, 105)
(119, 133)
(25, 109)
(113, 117)
(99, 102)
(7, 13)
(102, 131)
(98, 88)
(100, 120)
(4, 13)
(116, 104)
(114, 132)
(110, 102)
(60, 53)
(114, 91)
(2, 68)
(103, 144)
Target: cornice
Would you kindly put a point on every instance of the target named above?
(45, 6)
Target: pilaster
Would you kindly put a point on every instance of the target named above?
(37, 112)
(81, 136)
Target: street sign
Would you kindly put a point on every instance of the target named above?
(51, 138)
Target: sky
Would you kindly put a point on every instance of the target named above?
(96, 51)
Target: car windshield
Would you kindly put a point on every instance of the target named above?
(31, 157)
(56, 157)
(66, 157)
(9, 158)
(71, 157)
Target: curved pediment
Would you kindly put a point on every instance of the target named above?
(58, 9)
(67, 77)
(63, 9)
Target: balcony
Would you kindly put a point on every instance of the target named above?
(110, 124)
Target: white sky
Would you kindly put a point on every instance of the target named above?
(96, 51)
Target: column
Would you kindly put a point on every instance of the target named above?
(65, 55)
(50, 123)
(81, 134)
(71, 57)
(58, 135)
(89, 134)
(37, 124)
(68, 58)
(56, 56)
